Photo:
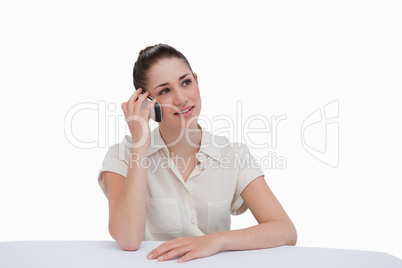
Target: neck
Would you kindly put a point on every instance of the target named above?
(181, 141)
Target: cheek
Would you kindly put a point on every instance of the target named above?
(167, 107)
(196, 93)
(198, 97)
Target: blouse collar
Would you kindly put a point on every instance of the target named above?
(208, 144)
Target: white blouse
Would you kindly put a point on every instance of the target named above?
(203, 203)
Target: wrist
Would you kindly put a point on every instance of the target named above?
(221, 239)
(138, 159)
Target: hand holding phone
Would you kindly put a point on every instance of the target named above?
(137, 115)
(156, 112)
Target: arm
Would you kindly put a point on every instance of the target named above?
(274, 226)
(127, 206)
(274, 229)
(127, 196)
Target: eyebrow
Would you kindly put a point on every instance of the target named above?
(165, 84)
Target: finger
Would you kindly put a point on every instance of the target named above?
(161, 249)
(124, 108)
(140, 102)
(148, 108)
(177, 252)
(133, 98)
(189, 256)
(156, 252)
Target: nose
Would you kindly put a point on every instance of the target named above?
(180, 98)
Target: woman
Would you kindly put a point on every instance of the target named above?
(179, 183)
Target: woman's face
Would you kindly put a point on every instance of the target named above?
(172, 84)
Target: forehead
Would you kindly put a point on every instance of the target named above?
(166, 71)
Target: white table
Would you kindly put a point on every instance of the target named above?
(108, 254)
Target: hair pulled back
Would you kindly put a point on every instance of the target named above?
(148, 57)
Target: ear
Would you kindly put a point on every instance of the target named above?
(196, 77)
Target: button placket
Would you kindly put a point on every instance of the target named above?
(190, 205)
(173, 166)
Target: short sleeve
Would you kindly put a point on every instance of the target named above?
(248, 170)
(115, 161)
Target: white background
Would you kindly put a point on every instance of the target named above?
(279, 58)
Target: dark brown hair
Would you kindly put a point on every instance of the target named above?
(148, 57)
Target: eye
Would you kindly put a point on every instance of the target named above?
(187, 82)
(164, 91)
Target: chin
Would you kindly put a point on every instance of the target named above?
(176, 122)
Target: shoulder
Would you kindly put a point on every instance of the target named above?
(120, 151)
(228, 148)
(116, 161)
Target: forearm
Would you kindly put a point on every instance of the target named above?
(127, 223)
(264, 235)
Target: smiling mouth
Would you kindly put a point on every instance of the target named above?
(185, 111)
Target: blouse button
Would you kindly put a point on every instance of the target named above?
(193, 220)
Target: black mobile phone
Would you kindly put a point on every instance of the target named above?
(156, 112)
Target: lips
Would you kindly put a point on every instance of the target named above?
(185, 110)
